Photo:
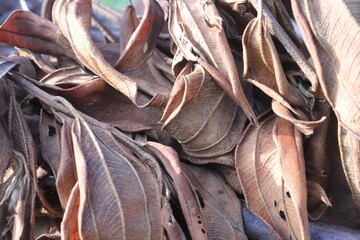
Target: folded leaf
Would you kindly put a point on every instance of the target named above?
(334, 51)
(270, 166)
(196, 107)
(69, 224)
(74, 20)
(196, 28)
(27, 30)
(350, 157)
(190, 208)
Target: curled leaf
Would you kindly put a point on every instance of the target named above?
(196, 28)
(270, 166)
(195, 108)
(27, 30)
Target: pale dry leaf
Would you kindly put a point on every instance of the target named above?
(334, 46)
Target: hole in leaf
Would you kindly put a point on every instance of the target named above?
(51, 131)
(282, 215)
(199, 222)
(201, 200)
(275, 203)
(203, 231)
(290, 237)
(288, 194)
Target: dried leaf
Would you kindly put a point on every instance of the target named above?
(120, 204)
(196, 28)
(190, 208)
(262, 66)
(69, 224)
(66, 177)
(270, 166)
(195, 108)
(141, 44)
(22, 201)
(27, 30)
(219, 203)
(334, 51)
(74, 20)
(350, 158)
(5, 146)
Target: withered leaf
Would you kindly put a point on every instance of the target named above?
(350, 157)
(195, 108)
(96, 98)
(219, 203)
(27, 30)
(74, 20)
(119, 195)
(66, 176)
(50, 141)
(5, 146)
(334, 51)
(190, 208)
(141, 44)
(263, 68)
(196, 28)
(270, 166)
(69, 224)
(22, 202)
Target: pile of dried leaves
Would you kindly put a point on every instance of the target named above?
(153, 126)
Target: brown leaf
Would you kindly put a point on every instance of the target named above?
(196, 107)
(262, 66)
(69, 224)
(5, 146)
(74, 20)
(219, 203)
(188, 203)
(66, 177)
(119, 195)
(270, 166)
(318, 193)
(334, 51)
(22, 190)
(96, 98)
(141, 44)
(27, 30)
(350, 158)
(196, 28)
(50, 141)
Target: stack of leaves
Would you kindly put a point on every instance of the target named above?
(154, 126)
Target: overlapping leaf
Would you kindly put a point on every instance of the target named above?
(196, 28)
(196, 106)
(270, 166)
(334, 51)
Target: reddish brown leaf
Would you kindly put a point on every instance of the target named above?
(27, 30)
(74, 20)
(69, 224)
